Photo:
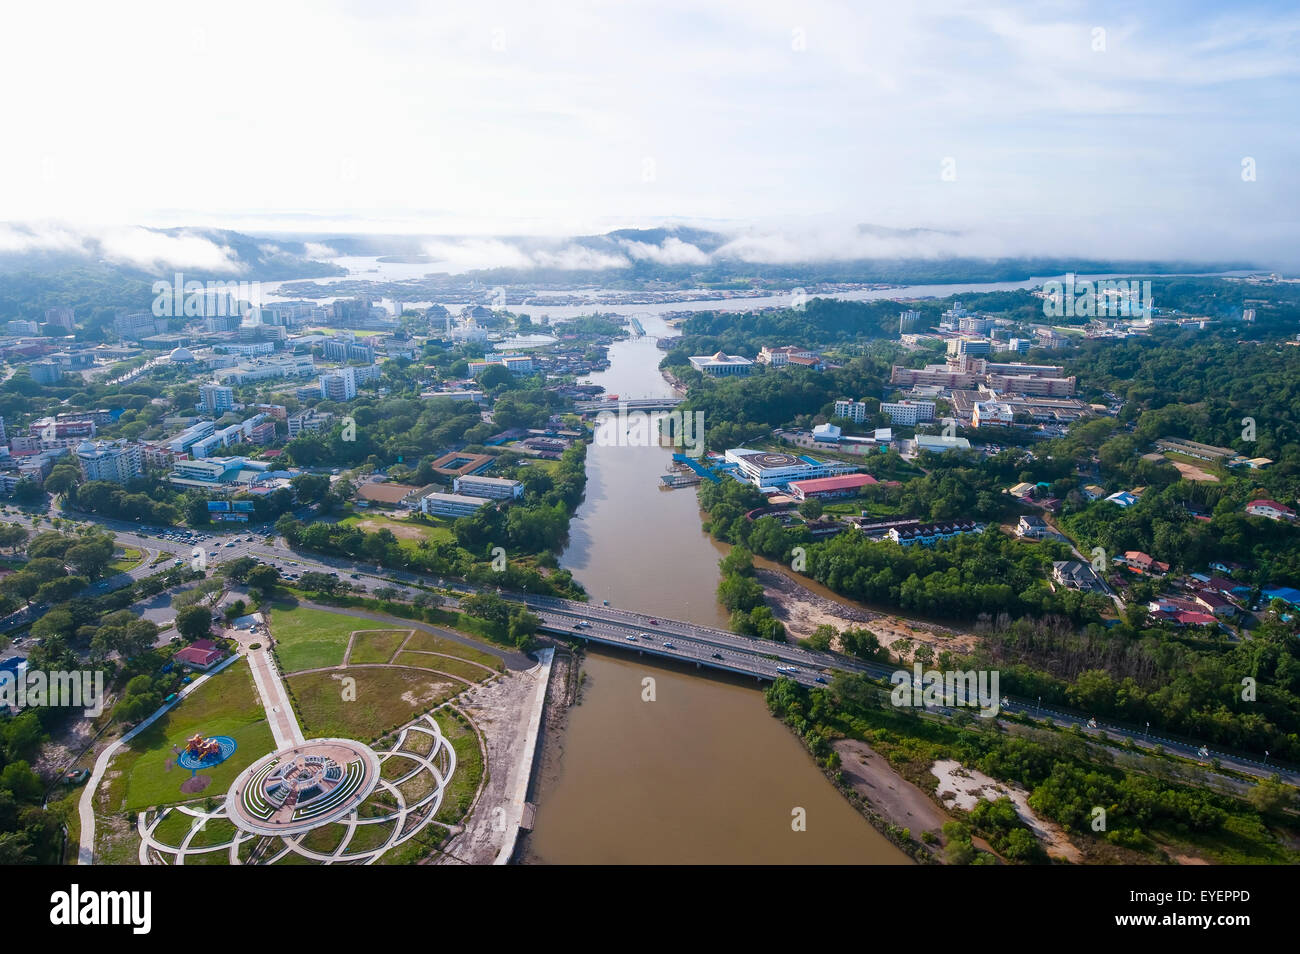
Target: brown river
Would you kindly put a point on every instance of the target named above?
(701, 773)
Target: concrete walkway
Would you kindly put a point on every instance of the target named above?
(522, 772)
(275, 700)
(86, 807)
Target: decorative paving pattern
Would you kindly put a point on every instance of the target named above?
(252, 806)
(296, 789)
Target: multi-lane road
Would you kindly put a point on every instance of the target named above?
(660, 637)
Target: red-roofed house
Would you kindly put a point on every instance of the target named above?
(200, 654)
(844, 486)
(1271, 509)
(1142, 563)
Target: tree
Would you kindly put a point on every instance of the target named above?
(1271, 796)
(264, 577)
(194, 622)
(811, 509)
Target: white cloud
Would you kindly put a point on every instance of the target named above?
(673, 251)
(144, 248)
(578, 258)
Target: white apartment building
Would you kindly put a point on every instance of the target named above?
(114, 461)
(908, 413)
(855, 411)
(216, 398)
(340, 385)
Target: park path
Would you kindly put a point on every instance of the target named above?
(86, 807)
(275, 699)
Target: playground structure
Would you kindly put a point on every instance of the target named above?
(201, 752)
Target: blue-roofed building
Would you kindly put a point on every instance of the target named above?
(1287, 594)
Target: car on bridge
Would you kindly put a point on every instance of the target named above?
(669, 646)
(630, 638)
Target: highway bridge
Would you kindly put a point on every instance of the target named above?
(705, 646)
(628, 404)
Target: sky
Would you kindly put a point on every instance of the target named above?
(1162, 130)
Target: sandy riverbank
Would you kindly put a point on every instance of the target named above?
(802, 610)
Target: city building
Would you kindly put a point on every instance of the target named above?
(186, 439)
(991, 413)
(216, 398)
(494, 488)
(908, 413)
(46, 371)
(788, 355)
(855, 411)
(452, 505)
(846, 485)
(340, 385)
(770, 471)
(114, 461)
(721, 365)
(939, 445)
(307, 421)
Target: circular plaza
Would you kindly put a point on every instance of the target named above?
(299, 788)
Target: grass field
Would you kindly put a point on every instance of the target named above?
(428, 642)
(385, 699)
(309, 638)
(408, 532)
(453, 667)
(459, 794)
(377, 645)
(227, 704)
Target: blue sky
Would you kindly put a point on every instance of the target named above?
(1072, 128)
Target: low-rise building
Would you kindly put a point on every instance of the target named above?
(494, 488)
(928, 533)
(721, 364)
(452, 505)
(1270, 509)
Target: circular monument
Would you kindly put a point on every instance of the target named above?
(299, 788)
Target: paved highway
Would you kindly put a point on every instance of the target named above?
(611, 626)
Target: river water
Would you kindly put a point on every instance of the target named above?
(703, 773)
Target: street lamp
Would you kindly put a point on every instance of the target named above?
(1148, 732)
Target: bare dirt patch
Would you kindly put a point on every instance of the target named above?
(802, 610)
(1192, 472)
(962, 787)
(896, 799)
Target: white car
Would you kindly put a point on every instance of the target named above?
(630, 639)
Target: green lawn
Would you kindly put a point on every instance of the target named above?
(377, 645)
(431, 643)
(227, 704)
(309, 638)
(459, 794)
(453, 667)
(385, 699)
(126, 559)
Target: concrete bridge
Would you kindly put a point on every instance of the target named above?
(628, 404)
